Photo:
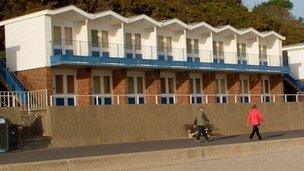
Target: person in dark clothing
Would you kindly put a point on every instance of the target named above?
(200, 123)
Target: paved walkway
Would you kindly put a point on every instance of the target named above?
(110, 149)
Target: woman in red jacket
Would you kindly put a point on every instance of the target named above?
(255, 119)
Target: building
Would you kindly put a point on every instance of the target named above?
(295, 58)
(105, 58)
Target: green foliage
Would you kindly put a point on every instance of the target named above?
(287, 4)
(272, 15)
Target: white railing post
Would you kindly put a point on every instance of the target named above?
(14, 101)
(51, 100)
(297, 97)
(28, 101)
(156, 99)
(207, 100)
(274, 98)
(235, 98)
(118, 99)
(285, 97)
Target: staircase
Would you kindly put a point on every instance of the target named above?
(9, 79)
(294, 81)
(12, 83)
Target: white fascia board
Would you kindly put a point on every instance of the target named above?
(175, 20)
(24, 17)
(144, 17)
(273, 33)
(111, 13)
(202, 24)
(294, 47)
(70, 8)
(227, 27)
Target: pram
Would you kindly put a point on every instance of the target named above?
(210, 130)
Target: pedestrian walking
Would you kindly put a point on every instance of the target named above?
(200, 123)
(255, 119)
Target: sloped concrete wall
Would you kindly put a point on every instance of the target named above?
(13, 114)
(77, 126)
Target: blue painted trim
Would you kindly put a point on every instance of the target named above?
(58, 60)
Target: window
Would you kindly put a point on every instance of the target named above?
(58, 84)
(195, 46)
(105, 39)
(140, 85)
(135, 90)
(218, 52)
(196, 90)
(266, 89)
(245, 90)
(94, 35)
(64, 89)
(241, 53)
(137, 42)
(221, 87)
(131, 85)
(96, 85)
(171, 85)
(263, 55)
(163, 85)
(107, 84)
(102, 90)
(57, 35)
(160, 43)
(128, 39)
(189, 47)
(68, 36)
(169, 43)
(70, 84)
(167, 90)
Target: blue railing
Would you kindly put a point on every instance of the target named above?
(292, 79)
(161, 64)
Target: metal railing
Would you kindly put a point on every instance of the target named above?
(28, 100)
(131, 51)
(111, 99)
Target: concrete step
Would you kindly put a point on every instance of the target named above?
(156, 158)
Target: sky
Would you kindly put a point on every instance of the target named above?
(297, 11)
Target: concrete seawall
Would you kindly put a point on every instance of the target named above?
(78, 126)
(140, 160)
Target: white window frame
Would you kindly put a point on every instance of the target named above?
(243, 95)
(222, 96)
(166, 76)
(266, 95)
(194, 96)
(63, 46)
(137, 95)
(102, 95)
(65, 93)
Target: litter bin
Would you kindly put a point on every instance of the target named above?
(13, 137)
(4, 135)
(9, 136)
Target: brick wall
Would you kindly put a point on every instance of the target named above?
(277, 86)
(209, 86)
(256, 87)
(84, 86)
(152, 82)
(182, 87)
(37, 79)
(233, 86)
(120, 84)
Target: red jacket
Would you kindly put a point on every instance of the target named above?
(254, 117)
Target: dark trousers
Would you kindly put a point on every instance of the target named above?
(255, 130)
(200, 131)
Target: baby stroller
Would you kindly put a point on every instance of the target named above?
(209, 129)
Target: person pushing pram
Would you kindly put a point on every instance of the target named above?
(202, 125)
